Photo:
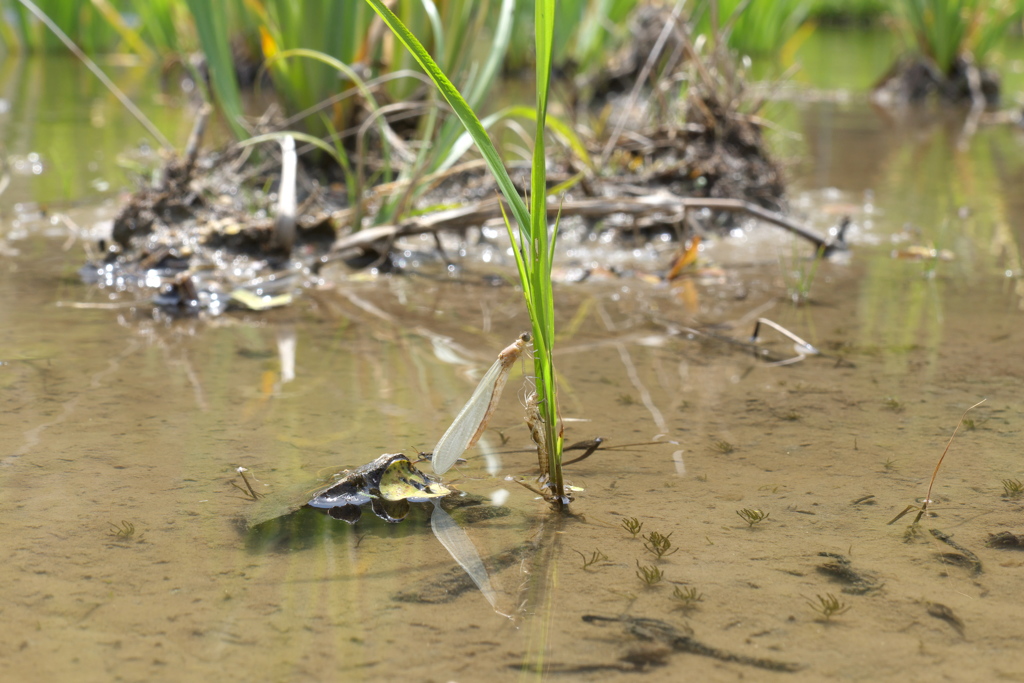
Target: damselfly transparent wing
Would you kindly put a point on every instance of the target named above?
(469, 424)
(460, 434)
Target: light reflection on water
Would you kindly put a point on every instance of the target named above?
(111, 416)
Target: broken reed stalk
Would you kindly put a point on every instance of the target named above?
(928, 496)
(284, 221)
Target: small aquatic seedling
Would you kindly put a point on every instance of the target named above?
(625, 595)
(893, 404)
(658, 544)
(123, 530)
(970, 425)
(801, 277)
(723, 447)
(928, 497)
(649, 574)
(889, 465)
(595, 557)
(1013, 488)
(249, 491)
(626, 400)
(752, 517)
(828, 606)
(687, 597)
(632, 525)
(469, 424)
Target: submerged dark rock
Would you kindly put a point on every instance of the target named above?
(913, 80)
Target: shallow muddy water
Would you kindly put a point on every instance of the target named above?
(120, 433)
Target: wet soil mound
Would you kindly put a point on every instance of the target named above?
(914, 80)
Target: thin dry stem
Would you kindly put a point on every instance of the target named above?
(928, 496)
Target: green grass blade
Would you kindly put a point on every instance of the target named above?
(212, 26)
(461, 109)
(496, 56)
(533, 242)
(435, 23)
(560, 128)
(330, 61)
(541, 243)
(277, 136)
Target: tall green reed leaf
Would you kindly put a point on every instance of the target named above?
(461, 109)
(947, 29)
(533, 241)
(759, 27)
(211, 20)
(534, 259)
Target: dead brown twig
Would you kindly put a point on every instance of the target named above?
(656, 203)
(928, 497)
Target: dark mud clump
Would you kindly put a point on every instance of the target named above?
(207, 236)
(913, 81)
(711, 146)
(201, 236)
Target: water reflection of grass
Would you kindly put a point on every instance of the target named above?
(903, 302)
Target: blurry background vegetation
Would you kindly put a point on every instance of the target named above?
(247, 42)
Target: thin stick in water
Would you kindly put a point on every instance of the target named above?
(928, 496)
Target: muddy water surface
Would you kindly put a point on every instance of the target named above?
(125, 557)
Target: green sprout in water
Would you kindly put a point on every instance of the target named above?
(723, 447)
(649, 574)
(893, 404)
(752, 517)
(659, 545)
(531, 234)
(828, 606)
(1013, 488)
(889, 465)
(123, 530)
(595, 557)
(687, 597)
(802, 277)
(632, 525)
